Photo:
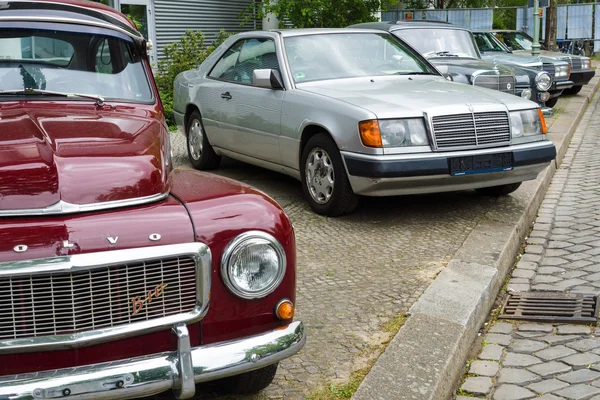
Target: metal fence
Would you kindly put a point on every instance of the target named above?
(574, 21)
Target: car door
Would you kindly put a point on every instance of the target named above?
(257, 117)
(218, 111)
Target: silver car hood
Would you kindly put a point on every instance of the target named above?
(508, 58)
(403, 97)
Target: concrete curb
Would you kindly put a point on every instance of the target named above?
(425, 359)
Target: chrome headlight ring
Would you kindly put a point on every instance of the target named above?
(233, 273)
(543, 81)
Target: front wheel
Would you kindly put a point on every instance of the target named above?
(551, 102)
(248, 382)
(324, 178)
(496, 191)
(573, 90)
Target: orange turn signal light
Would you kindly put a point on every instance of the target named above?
(369, 133)
(284, 310)
(542, 121)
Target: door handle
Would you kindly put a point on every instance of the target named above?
(226, 95)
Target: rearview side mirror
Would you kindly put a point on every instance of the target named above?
(267, 78)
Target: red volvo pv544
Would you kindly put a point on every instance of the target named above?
(119, 277)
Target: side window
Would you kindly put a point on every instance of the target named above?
(103, 62)
(255, 54)
(224, 67)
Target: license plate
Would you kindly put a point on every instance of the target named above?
(481, 164)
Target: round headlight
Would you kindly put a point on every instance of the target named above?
(253, 265)
(543, 81)
(526, 94)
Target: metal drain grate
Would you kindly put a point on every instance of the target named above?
(551, 307)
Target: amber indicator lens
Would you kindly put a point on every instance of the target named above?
(542, 121)
(285, 310)
(369, 133)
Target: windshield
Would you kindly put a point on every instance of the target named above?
(350, 55)
(66, 62)
(514, 40)
(440, 42)
(487, 42)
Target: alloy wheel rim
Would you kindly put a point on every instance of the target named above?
(320, 176)
(195, 139)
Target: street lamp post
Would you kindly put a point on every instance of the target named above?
(535, 47)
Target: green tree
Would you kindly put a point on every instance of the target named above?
(186, 54)
(319, 13)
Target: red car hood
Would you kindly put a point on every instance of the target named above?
(82, 157)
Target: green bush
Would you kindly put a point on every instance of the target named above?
(182, 56)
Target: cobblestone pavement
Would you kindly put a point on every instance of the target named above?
(552, 361)
(357, 272)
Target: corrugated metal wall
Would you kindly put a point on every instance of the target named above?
(174, 17)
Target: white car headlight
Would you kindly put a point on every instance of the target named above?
(543, 81)
(586, 63)
(527, 123)
(562, 71)
(253, 265)
(403, 132)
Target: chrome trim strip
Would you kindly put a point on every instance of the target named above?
(154, 374)
(228, 252)
(198, 251)
(62, 207)
(71, 21)
(448, 154)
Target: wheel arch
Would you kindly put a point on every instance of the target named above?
(308, 132)
(189, 109)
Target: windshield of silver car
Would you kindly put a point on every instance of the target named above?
(488, 42)
(514, 40)
(433, 43)
(34, 61)
(350, 55)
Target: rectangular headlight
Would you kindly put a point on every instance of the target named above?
(562, 71)
(527, 124)
(403, 132)
(586, 63)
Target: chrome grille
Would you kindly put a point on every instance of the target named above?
(471, 129)
(70, 302)
(575, 63)
(491, 80)
(549, 68)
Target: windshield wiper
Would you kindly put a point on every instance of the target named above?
(414, 73)
(28, 91)
(444, 53)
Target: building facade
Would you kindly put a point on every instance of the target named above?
(165, 21)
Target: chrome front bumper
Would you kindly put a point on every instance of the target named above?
(144, 376)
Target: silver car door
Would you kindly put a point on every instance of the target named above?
(217, 104)
(257, 110)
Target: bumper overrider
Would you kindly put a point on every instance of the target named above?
(404, 174)
(144, 376)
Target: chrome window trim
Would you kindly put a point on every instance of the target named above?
(71, 21)
(62, 207)
(198, 251)
(228, 252)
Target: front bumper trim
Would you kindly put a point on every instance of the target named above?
(145, 376)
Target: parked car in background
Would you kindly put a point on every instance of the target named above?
(353, 112)
(520, 43)
(492, 49)
(453, 51)
(120, 277)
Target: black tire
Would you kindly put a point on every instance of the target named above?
(248, 382)
(573, 90)
(206, 159)
(551, 102)
(496, 191)
(342, 200)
